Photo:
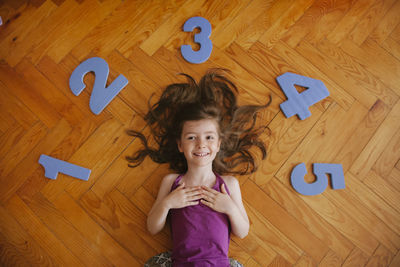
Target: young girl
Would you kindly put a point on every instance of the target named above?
(202, 133)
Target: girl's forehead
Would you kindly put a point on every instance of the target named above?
(200, 126)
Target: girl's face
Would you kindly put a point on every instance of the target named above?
(200, 142)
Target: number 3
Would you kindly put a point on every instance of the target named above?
(201, 38)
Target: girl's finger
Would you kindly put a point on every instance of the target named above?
(208, 189)
(192, 203)
(209, 204)
(208, 194)
(194, 197)
(208, 198)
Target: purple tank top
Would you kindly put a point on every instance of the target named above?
(200, 235)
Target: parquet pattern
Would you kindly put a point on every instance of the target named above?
(352, 46)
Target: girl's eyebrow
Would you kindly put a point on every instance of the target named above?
(208, 132)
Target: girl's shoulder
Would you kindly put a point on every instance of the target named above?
(230, 181)
(169, 179)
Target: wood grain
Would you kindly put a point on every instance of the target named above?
(352, 46)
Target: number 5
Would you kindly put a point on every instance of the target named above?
(321, 183)
(201, 38)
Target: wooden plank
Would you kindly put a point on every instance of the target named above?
(172, 25)
(14, 157)
(106, 35)
(318, 10)
(381, 257)
(331, 259)
(318, 146)
(357, 71)
(284, 222)
(392, 47)
(367, 158)
(304, 67)
(125, 223)
(387, 161)
(373, 16)
(265, 241)
(356, 258)
(87, 252)
(374, 203)
(339, 246)
(30, 162)
(375, 59)
(305, 261)
(26, 24)
(387, 24)
(333, 13)
(282, 24)
(65, 37)
(383, 189)
(261, 24)
(394, 179)
(223, 37)
(151, 15)
(286, 135)
(348, 21)
(13, 108)
(35, 102)
(114, 252)
(339, 74)
(347, 202)
(27, 247)
(40, 233)
(396, 260)
(363, 133)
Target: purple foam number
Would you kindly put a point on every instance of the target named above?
(334, 170)
(320, 184)
(101, 95)
(53, 166)
(202, 38)
(298, 103)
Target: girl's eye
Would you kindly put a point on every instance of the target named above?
(210, 137)
(191, 138)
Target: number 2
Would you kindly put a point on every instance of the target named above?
(202, 38)
(101, 95)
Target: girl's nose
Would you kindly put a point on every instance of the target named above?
(201, 143)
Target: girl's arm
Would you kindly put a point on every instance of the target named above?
(166, 200)
(232, 205)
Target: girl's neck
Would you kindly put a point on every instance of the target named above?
(197, 176)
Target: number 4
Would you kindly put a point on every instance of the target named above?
(298, 103)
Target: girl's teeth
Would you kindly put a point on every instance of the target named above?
(201, 154)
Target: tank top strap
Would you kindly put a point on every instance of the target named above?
(219, 181)
(175, 184)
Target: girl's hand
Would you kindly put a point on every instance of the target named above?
(218, 201)
(183, 197)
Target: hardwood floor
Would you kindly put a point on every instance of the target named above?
(352, 46)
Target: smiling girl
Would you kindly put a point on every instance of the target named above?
(205, 137)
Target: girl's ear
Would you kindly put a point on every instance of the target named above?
(219, 144)
(178, 142)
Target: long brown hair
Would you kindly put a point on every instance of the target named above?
(214, 97)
